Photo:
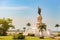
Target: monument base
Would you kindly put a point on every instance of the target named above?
(36, 32)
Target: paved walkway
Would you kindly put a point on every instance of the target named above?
(57, 38)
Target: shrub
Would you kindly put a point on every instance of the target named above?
(31, 35)
(58, 35)
(42, 37)
(19, 36)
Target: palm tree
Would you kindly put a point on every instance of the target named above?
(24, 28)
(57, 25)
(41, 27)
(28, 24)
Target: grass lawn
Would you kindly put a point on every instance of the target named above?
(6, 37)
(37, 38)
(27, 38)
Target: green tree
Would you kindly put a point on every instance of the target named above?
(56, 26)
(28, 24)
(5, 24)
(41, 27)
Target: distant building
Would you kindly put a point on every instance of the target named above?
(13, 32)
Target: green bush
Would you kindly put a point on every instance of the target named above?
(31, 35)
(42, 37)
(58, 34)
(19, 36)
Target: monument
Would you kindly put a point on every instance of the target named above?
(39, 18)
(34, 30)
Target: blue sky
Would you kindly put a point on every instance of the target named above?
(23, 11)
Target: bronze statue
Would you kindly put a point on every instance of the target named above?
(39, 11)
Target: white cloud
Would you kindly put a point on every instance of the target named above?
(15, 8)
